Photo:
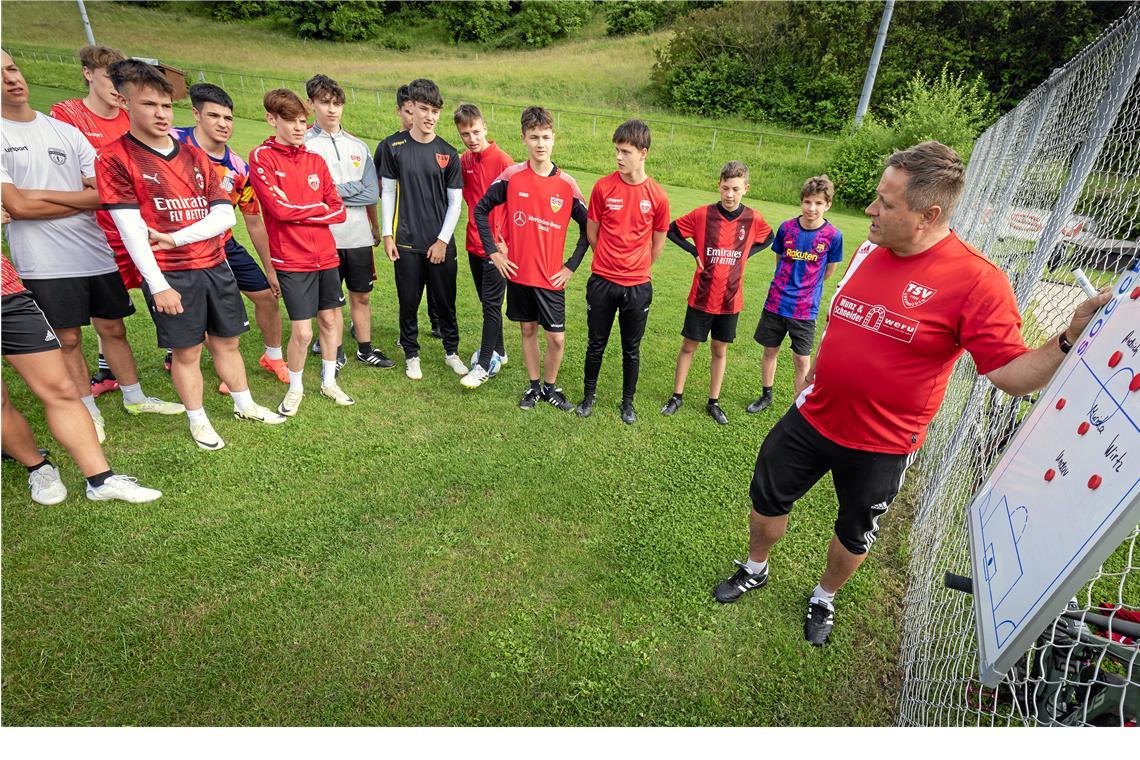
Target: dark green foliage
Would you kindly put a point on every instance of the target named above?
(348, 21)
(479, 21)
(242, 10)
(540, 23)
(644, 16)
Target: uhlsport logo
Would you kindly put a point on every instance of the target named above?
(914, 295)
(520, 218)
(314, 181)
(645, 206)
(555, 204)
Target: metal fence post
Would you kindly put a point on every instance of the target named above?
(595, 125)
(807, 153)
(671, 134)
(713, 146)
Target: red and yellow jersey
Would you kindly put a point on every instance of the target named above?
(628, 216)
(723, 246)
(10, 283)
(99, 132)
(170, 191)
(233, 176)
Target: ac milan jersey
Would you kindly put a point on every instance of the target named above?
(538, 214)
(479, 171)
(233, 176)
(99, 131)
(896, 326)
(10, 283)
(171, 192)
(802, 257)
(627, 215)
(722, 246)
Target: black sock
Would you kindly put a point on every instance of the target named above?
(678, 396)
(627, 400)
(169, 355)
(103, 362)
(35, 467)
(714, 401)
(536, 385)
(99, 478)
(548, 386)
(767, 391)
(364, 347)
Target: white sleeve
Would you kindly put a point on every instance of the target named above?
(133, 231)
(387, 205)
(86, 155)
(220, 219)
(454, 206)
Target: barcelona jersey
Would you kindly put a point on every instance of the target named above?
(233, 176)
(802, 257)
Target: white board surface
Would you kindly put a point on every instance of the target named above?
(1065, 493)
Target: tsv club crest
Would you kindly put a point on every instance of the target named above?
(314, 181)
(646, 206)
(916, 295)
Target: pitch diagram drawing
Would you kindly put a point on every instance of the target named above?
(1066, 491)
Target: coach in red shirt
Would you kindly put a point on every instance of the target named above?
(914, 297)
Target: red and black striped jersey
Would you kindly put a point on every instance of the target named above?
(170, 191)
(723, 246)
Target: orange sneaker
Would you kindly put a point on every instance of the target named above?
(223, 389)
(276, 367)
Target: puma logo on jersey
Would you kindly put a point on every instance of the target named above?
(914, 295)
(152, 177)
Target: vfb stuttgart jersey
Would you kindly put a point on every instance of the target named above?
(170, 191)
(722, 247)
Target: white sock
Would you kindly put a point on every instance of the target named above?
(89, 402)
(243, 400)
(273, 352)
(328, 372)
(756, 567)
(826, 596)
(196, 416)
(132, 394)
(295, 383)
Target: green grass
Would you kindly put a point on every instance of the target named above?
(436, 556)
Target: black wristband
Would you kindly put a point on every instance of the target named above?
(1064, 343)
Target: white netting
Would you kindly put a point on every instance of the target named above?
(1053, 185)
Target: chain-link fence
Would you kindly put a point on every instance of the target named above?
(1053, 185)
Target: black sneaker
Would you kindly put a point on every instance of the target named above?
(717, 413)
(819, 622)
(316, 347)
(530, 398)
(628, 415)
(556, 398)
(739, 583)
(586, 408)
(375, 358)
(168, 361)
(341, 359)
(4, 455)
(435, 333)
(671, 406)
(759, 405)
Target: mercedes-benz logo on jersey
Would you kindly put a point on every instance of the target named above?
(57, 156)
(556, 205)
(645, 206)
(916, 295)
(520, 218)
(314, 181)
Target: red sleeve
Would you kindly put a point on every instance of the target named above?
(760, 228)
(273, 198)
(113, 180)
(990, 325)
(594, 212)
(687, 224)
(661, 213)
(337, 212)
(246, 200)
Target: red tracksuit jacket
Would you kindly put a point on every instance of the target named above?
(299, 201)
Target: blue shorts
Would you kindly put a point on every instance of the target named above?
(250, 278)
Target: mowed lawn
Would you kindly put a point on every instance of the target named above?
(437, 556)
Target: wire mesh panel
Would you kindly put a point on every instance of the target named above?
(1053, 185)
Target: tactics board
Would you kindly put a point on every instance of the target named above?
(1066, 492)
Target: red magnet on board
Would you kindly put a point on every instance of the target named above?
(1094, 482)
(1115, 359)
(1060, 403)
(1135, 293)
(1050, 474)
(1135, 384)
(1082, 428)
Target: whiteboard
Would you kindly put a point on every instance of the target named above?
(1065, 493)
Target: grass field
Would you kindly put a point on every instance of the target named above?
(436, 556)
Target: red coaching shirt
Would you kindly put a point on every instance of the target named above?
(722, 249)
(479, 171)
(896, 326)
(628, 215)
(171, 192)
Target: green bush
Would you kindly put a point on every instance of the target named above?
(241, 10)
(348, 21)
(857, 163)
(539, 23)
(480, 21)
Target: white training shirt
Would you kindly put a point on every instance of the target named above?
(352, 170)
(47, 154)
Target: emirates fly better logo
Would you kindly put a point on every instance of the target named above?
(914, 295)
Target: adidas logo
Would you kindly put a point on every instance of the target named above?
(49, 336)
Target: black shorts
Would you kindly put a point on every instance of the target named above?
(357, 268)
(211, 303)
(250, 278)
(699, 323)
(526, 303)
(73, 301)
(26, 329)
(794, 456)
(306, 293)
(772, 328)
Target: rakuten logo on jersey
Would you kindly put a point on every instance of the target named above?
(916, 295)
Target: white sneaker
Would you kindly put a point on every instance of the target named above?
(258, 413)
(46, 486)
(476, 377)
(152, 405)
(412, 368)
(100, 428)
(456, 364)
(122, 488)
(503, 361)
(204, 435)
(291, 403)
(336, 394)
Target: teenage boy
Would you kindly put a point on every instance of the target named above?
(170, 211)
(418, 229)
(45, 181)
(213, 111)
(100, 117)
(808, 249)
(33, 351)
(541, 200)
(482, 163)
(726, 234)
(629, 216)
(300, 202)
(350, 165)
